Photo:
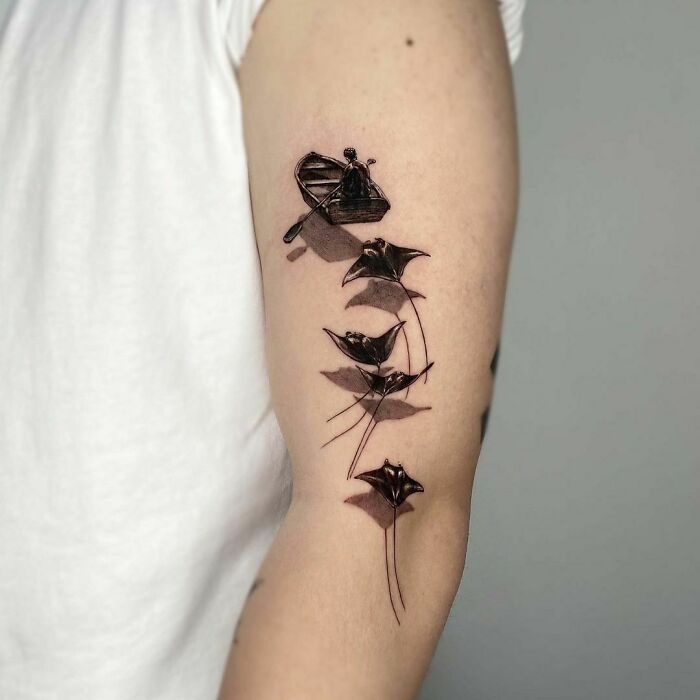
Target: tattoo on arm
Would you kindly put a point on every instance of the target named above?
(340, 194)
(487, 411)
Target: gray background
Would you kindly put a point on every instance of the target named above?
(583, 574)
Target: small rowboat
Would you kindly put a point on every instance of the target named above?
(317, 176)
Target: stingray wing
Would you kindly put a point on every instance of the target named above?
(384, 344)
(352, 350)
(407, 380)
(377, 479)
(375, 382)
(371, 265)
(400, 257)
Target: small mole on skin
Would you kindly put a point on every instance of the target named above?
(409, 41)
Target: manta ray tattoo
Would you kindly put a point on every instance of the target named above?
(394, 485)
(386, 261)
(344, 194)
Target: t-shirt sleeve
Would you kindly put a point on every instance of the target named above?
(512, 18)
(238, 17)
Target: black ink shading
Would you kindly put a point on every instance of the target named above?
(391, 409)
(382, 260)
(340, 193)
(484, 423)
(383, 385)
(347, 378)
(355, 182)
(394, 485)
(494, 360)
(384, 295)
(381, 294)
(361, 348)
(343, 193)
(386, 261)
(331, 243)
(254, 587)
(351, 379)
(296, 253)
(374, 383)
(487, 411)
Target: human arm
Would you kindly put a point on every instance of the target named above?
(437, 115)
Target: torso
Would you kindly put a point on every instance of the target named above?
(142, 470)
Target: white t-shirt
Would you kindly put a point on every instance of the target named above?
(142, 471)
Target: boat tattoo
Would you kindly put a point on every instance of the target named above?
(345, 194)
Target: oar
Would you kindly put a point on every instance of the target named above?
(296, 228)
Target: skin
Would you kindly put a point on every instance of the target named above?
(437, 114)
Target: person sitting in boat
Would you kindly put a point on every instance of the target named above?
(355, 181)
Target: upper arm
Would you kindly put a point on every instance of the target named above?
(436, 113)
(424, 88)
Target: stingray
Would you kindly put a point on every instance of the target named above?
(394, 485)
(370, 351)
(365, 350)
(386, 261)
(382, 260)
(383, 385)
(390, 297)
